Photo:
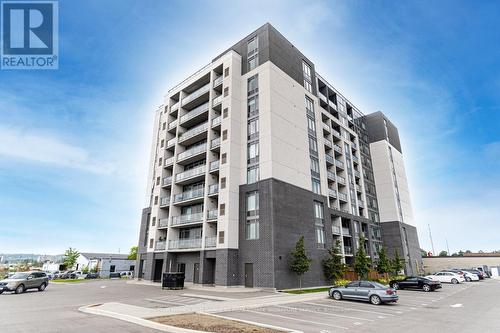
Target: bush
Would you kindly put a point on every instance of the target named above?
(341, 282)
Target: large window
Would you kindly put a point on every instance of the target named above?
(253, 128)
(253, 174)
(306, 69)
(320, 236)
(253, 85)
(316, 185)
(309, 106)
(318, 210)
(252, 229)
(314, 166)
(253, 106)
(252, 223)
(253, 204)
(311, 125)
(253, 152)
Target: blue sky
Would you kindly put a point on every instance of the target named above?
(74, 142)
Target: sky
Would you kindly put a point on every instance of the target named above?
(74, 142)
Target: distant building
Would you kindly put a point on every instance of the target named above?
(105, 262)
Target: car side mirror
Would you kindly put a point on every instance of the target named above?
(29, 277)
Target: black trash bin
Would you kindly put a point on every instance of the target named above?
(173, 280)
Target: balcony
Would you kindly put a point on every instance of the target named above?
(164, 201)
(218, 81)
(187, 243)
(355, 159)
(361, 203)
(341, 180)
(215, 143)
(171, 143)
(213, 189)
(210, 241)
(175, 106)
(329, 159)
(332, 193)
(172, 125)
(357, 174)
(328, 143)
(358, 188)
(216, 121)
(332, 105)
(216, 101)
(337, 148)
(160, 245)
(196, 95)
(347, 250)
(354, 145)
(187, 219)
(322, 97)
(342, 196)
(162, 223)
(194, 114)
(330, 175)
(214, 166)
(212, 214)
(167, 181)
(326, 128)
(169, 161)
(189, 195)
(191, 175)
(335, 229)
(339, 164)
(193, 133)
(336, 134)
(192, 152)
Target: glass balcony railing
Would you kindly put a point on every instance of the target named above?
(210, 241)
(193, 132)
(196, 94)
(330, 159)
(193, 194)
(218, 81)
(342, 196)
(165, 201)
(212, 214)
(187, 218)
(332, 192)
(194, 112)
(167, 181)
(190, 173)
(192, 151)
(340, 179)
(217, 100)
(214, 165)
(171, 142)
(172, 125)
(335, 229)
(163, 223)
(187, 243)
(337, 148)
(328, 143)
(215, 143)
(216, 121)
(213, 189)
(346, 231)
(340, 164)
(160, 245)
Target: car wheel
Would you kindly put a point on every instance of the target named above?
(375, 300)
(19, 289)
(454, 281)
(426, 287)
(42, 287)
(395, 285)
(1, 292)
(337, 295)
(468, 279)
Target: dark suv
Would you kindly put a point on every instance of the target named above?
(22, 281)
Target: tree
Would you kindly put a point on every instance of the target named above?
(443, 254)
(423, 253)
(300, 261)
(70, 257)
(133, 253)
(468, 251)
(361, 261)
(383, 265)
(333, 267)
(397, 264)
(461, 253)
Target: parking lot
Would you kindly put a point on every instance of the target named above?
(451, 309)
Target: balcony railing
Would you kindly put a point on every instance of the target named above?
(193, 194)
(194, 131)
(217, 100)
(357, 174)
(175, 106)
(361, 203)
(341, 180)
(171, 142)
(330, 175)
(354, 145)
(336, 229)
(322, 97)
(212, 214)
(165, 201)
(213, 189)
(160, 245)
(336, 134)
(328, 143)
(332, 192)
(187, 218)
(192, 151)
(187, 243)
(355, 158)
(167, 181)
(196, 94)
(337, 148)
(169, 161)
(330, 159)
(194, 112)
(172, 125)
(215, 143)
(210, 241)
(163, 223)
(326, 127)
(218, 81)
(342, 196)
(347, 250)
(214, 165)
(346, 231)
(190, 173)
(358, 188)
(340, 164)
(332, 104)
(216, 121)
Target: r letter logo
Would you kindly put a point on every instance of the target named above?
(29, 35)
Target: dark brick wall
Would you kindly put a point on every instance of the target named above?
(227, 269)
(188, 258)
(403, 239)
(376, 132)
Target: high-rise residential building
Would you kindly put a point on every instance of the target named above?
(255, 150)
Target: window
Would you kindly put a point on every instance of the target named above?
(157, 180)
(162, 143)
(253, 62)
(226, 72)
(314, 165)
(151, 242)
(156, 200)
(221, 237)
(224, 158)
(253, 152)
(354, 284)
(253, 106)
(313, 146)
(309, 106)
(364, 284)
(163, 126)
(318, 210)
(253, 53)
(253, 174)
(222, 209)
(252, 204)
(223, 183)
(226, 91)
(224, 135)
(306, 69)
(153, 221)
(225, 113)
(112, 268)
(252, 229)
(253, 128)
(316, 185)
(311, 125)
(253, 85)
(320, 236)
(160, 161)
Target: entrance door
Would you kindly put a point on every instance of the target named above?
(158, 270)
(249, 275)
(196, 273)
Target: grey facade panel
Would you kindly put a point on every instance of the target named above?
(376, 131)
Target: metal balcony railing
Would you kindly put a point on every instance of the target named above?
(194, 131)
(212, 214)
(342, 196)
(165, 201)
(340, 164)
(196, 94)
(347, 250)
(194, 112)
(187, 218)
(187, 243)
(332, 192)
(192, 151)
(210, 241)
(341, 180)
(193, 194)
(190, 173)
(330, 175)
(163, 223)
(160, 245)
(330, 159)
(328, 143)
(337, 148)
(167, 181)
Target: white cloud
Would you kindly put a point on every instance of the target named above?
(34, 147)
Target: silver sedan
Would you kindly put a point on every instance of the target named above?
(369, 291)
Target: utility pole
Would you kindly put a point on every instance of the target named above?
(447, 247)
(432, 243)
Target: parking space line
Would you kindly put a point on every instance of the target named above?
(162, 301)
(296, 319)
(351, 309)
(321, 313)
(362, 305)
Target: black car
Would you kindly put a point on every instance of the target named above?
(92, 276)
(415, 282)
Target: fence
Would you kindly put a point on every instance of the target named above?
(351, 275)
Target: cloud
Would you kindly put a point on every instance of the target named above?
(33, 147)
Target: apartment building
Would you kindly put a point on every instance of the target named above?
(255, 150)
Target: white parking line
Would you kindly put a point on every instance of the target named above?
(350, 309)
(162, 301)
(291, 318)
(321, 313)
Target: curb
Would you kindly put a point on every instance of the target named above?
(252, 323)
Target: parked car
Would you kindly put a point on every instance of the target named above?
(370, 291)
(479, 274)
(469, 277)
(22, 281)
(447, 277)
(67, 275)
(415, 282)
(127, 274)
(80, 274)
(114, 275)
(92, 276)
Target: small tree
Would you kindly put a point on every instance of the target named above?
(133, 253)
(70, 257)
(300, 261)
(423, 253)
(85, 269)
(383, 265)
(333, 267)
(443, 254)
(396, 264)
(361, 261)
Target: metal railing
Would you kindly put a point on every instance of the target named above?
(164, 201)
(216, 121)
(210, 241)
(193, 194)
(190, 173)
(192, 151)
(187, 218)
(213, 189)
(328, 143)
(160, 246)
(196, 94)
(194, 112)
(355, 158)
(347, 250)
(340, 179)
(163, 223)
(215, 143)
(187, 243)
(357, 174)
(342, 196)
(332, 192)
(167, 181)
(330, 175)
(330, 159)
(212, 214)
(337, 148)
(194, 131)
(340, 164)
(214, 165)
(218, 81)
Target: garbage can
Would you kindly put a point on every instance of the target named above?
(173, 280)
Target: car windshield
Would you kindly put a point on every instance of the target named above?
(19, 276)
